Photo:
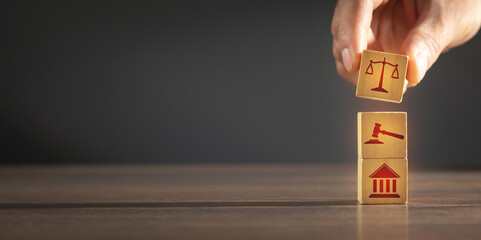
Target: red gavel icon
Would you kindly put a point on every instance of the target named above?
(377, 130)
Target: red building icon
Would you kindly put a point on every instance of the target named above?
(384, 183)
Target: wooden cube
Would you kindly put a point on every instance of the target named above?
(382, 134)
(382, 181)
(382, 76)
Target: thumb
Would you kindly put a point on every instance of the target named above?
(423, 44)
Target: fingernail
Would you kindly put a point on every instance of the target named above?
(422, 64)
(347, 58)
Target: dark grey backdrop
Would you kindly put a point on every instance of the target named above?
(207, 82)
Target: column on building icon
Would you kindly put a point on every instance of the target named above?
(384, 183)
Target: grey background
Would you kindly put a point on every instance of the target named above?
(207, 82)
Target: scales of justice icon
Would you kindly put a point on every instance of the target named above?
(394, 75)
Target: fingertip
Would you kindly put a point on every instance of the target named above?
(356, 63)
(410, 84)
(350, 77)
(350, 60)
(407, 85)
(421, 64)
(347, 58)
(417, 68)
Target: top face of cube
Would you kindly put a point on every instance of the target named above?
(382, 134)
(382, 76)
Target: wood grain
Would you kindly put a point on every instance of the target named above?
(229, 202)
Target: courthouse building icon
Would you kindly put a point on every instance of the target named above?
(384, 183)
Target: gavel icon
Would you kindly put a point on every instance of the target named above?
(377, 130)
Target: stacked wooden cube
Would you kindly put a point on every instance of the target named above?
(382, 157)
(382, 136)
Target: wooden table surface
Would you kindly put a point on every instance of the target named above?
(229, 202)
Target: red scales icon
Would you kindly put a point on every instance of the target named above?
(395, 73)
(384, 184)
(377, 130)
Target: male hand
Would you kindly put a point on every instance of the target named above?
(421, 29)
